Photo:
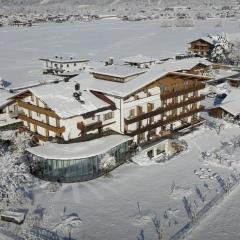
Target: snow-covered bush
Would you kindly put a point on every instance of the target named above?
(107, 162)
(222, 49)
(67, 224)
(184, 23)
(15, 180)
(234, 55)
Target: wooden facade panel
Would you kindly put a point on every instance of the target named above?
(37, 109)
(57, 130)
(160, 123)
(164, 109)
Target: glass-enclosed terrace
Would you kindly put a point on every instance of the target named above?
(78, 161)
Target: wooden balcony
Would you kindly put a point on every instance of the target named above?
(90, 127)
(164, 109)
(159, 123)
(57, 130)
(37, 109)
(38, 136)
(170, 94)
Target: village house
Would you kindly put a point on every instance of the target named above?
(202, 46)
(8, 111)
(229, 107)
(62, 111)
(63, 66)
(140, 61)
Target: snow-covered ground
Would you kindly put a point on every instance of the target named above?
(22, 47)
(124, 204)
(223, 223)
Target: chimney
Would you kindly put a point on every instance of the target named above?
(77, 87)
(110, 61)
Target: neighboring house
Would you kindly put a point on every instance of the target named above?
(64, 111)
(234, 81)
(63, 66)
(202, 46)
(194, 65)
(140, 61)
(229, 107)
(117, 73)
(8, 111)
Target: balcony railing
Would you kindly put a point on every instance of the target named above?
(90, 127)
(170, 94)
(37, 109)
(57, 130)
(164, 109)
(159, 123)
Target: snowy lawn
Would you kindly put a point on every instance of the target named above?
(223, 223)
(133, 197)
(22, 47)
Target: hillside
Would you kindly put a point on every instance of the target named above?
(107, 3)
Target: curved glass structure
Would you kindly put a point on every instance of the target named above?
(75, 170)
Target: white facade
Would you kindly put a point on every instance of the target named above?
(59, 65)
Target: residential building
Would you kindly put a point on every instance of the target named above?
(64, 111)
(63, 66)
(140, 61)
(9, 111)
(117, 104)
(202, 46)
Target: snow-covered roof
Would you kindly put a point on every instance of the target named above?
(208, 39)
(119, 71)
(222, 74)
(184, 64)
(59, 97)
(156, 72)
(139, 59)
(4, 95)
(231, 102)
(213, 39)
(64, 60)
(78, 150)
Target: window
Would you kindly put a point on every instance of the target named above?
(75, 64)
(150, 107)
(32, 98)
(57, 122)
(67, 65)
(132, 113)
(37, 102)
(93, 117)
(108, 116)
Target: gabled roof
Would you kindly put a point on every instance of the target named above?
(209, 39)
(119, 71)
(63, 60)
(139, 59)
(4, 98)
(59, 98)
(231, 103)
(156, 72)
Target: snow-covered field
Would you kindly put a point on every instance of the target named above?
(126, 203)
(223, 223)
(21, 48)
